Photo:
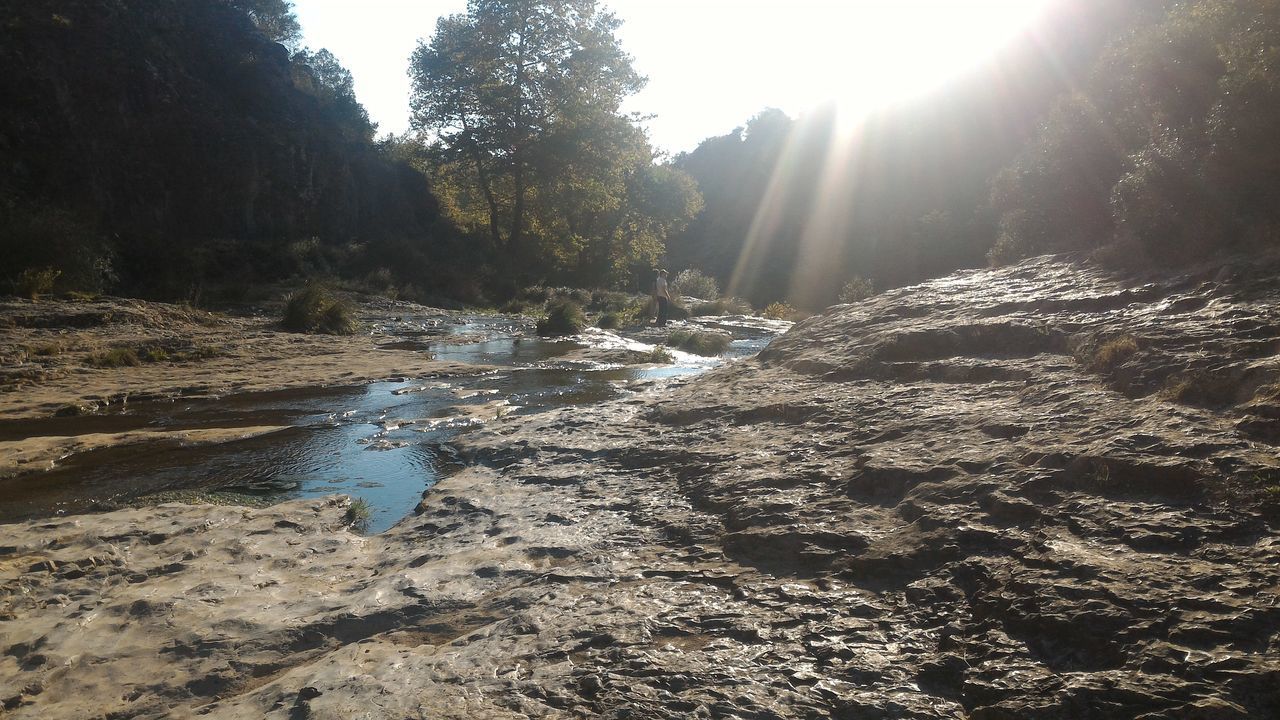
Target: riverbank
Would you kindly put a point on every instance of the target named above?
(74, 357)
(950, 500)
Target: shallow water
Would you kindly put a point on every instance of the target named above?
(383, 442)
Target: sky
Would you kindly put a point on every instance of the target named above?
(711, 64)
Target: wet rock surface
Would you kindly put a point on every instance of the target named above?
(937, 503)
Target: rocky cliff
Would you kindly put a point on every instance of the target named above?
(1037, 492)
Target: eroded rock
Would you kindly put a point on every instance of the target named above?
(924, 505)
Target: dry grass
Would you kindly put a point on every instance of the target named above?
(1203, 389)
(1112, 353)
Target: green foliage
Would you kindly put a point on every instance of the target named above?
(358, 514)
(723, 306)
(858, 288)
(315, 309)
(699, 342)
(34, 282)
(610, 320)
(531, 151)
(128, 115)
(1166, 155)
(564, 317)
(694, 283)
(659, 355)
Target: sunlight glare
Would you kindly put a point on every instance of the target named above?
(865, 54)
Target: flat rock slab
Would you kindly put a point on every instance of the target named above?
(935, 503)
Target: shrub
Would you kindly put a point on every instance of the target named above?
(1112, 353)
(46, 350)
(114, 357)
(659, 355)
(1203, 389)
(34, 282)
(155, 354)
(858, 288)
(699, 342)
(781, 311)
(564, 317)
(723, 306)
(314, 309)
(694, 283)
(609, 321)
(611, 301)
(358, 514)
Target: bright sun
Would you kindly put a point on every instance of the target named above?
(866, 54)
(712, 64)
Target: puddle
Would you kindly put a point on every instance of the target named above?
(385, 442)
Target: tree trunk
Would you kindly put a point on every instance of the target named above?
(516, 238)
(486, 187)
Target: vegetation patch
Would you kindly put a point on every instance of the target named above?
(315, 309)
(858, 288)
(202, 497)
(722, 306)
(694, 283)
(34, 282)
(609, 321)
(699, 342)
(358, 514)
(1203, 389)
(44, 350)
(783, 311)
(1111, 354)
(114, 357)
(659, 355)
(124, 356)
(564, 317)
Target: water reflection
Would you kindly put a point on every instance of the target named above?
(384, 442)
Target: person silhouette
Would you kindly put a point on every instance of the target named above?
(662, 294)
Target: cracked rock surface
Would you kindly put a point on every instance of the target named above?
(1035, 492)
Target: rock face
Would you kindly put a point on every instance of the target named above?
(1037, 492)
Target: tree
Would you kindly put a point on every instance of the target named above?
(500, 86)
(332, 83)
(274, 18)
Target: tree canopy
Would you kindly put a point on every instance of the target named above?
(520, 100)
(152, 146)
(1167, 153)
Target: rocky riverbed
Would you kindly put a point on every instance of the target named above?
(1044, 491)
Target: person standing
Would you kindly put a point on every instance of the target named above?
(662, 295)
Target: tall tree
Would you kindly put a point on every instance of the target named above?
(497, 87)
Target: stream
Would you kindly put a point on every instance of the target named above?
(383, 442)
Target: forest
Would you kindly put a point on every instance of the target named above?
(185, 149)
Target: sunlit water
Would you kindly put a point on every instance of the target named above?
(384, 442)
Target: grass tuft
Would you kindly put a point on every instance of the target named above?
(609, 321)
(114, 357)
(315, 309)
(1112, 353)
(783, 311)
(660, 355)
(698, 342)
(358, 513)
(564, 317)
(1203, 389)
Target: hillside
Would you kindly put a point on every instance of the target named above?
(1042, 491)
